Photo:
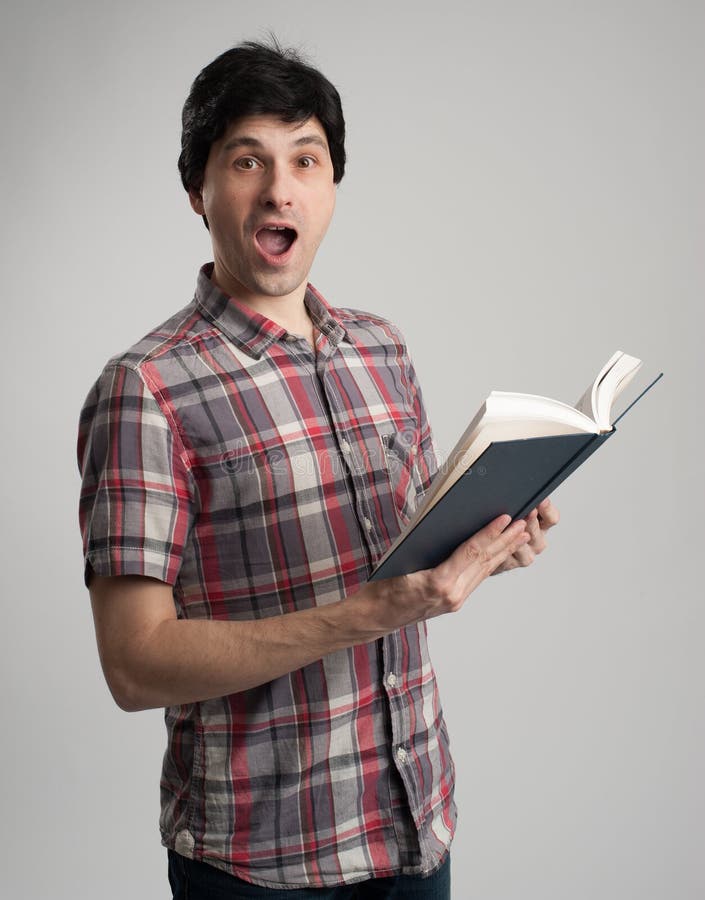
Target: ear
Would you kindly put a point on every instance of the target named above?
(196, 200)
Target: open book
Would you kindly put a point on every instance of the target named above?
(514, 452)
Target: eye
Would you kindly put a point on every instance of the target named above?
(248, 163)
(307, 162)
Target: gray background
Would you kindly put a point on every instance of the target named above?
(524, 196)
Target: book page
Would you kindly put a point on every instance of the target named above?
(611, 386)
(615, 375)
(587, 403)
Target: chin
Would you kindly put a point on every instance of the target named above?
(279, 287)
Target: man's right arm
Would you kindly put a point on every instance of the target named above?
(153, 659)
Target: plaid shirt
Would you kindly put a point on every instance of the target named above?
(222, 456)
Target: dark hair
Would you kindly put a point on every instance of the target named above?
(256, 79)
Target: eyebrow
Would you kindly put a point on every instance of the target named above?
(246, 141)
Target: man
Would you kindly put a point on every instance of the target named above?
(244, 467)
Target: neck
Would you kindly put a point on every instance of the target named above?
(288, 311)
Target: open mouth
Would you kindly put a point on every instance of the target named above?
(275, 240)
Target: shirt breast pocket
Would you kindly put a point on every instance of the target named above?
(400, 452)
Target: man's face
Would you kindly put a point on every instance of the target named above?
(268, 194)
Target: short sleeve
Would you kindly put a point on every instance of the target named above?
(426, 460)
(136, 502)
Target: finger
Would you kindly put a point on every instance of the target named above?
(508, 543)
(548, 514)
(509, 563)
(500, 553)
(526, 553)
(501, 529)
(538, 540)
(507, 552)
(486, 549)
(494, 528)
(524, 556)
(537, 544)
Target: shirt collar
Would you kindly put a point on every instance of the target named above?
(252, 331)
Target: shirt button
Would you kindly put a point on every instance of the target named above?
(345, 447)
(392, 680)
(402, 755)
(368, 523)
(291, 338)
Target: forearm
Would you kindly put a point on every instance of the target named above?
(184, 661)
(152, 659)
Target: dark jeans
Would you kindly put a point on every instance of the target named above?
(191, 880)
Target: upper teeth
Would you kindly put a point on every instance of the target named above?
(275, 227)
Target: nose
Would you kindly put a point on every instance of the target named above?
(277, 188)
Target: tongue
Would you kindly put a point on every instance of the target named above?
(275, 242)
